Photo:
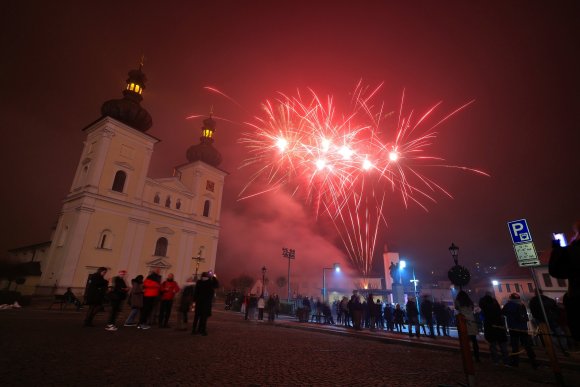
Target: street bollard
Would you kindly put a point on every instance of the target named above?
(465, 350)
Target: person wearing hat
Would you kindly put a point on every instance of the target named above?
(117, 295)
(517, 320)
(203, 298)
(95, 294)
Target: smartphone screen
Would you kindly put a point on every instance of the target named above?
(560, 237)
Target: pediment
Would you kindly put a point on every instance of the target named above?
(165, 230)
(160, 263)
(125, 165)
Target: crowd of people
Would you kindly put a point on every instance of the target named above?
(253, 303)
(150, 299)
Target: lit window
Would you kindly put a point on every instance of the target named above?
(161, 247)
(119, 181)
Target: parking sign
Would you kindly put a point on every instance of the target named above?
(519, 231)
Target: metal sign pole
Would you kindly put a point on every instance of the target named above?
(547, 338)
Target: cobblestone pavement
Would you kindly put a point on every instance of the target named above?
(51, 348)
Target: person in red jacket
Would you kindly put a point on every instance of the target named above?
(169, 289)
(151, 288)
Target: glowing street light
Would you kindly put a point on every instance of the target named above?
(402, 265)
(289, 254)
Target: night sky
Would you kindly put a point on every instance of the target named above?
(519, 60)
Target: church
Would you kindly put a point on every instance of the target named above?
(117, 217)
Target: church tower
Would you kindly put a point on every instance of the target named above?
(117, 217)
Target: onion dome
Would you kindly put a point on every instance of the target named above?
(128, 109)
(205, 151)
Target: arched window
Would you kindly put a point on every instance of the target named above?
(119, 182)
(178, 204)
(156, 199)
(206, 208)
(168, 202)
(105, 240)
(161, 247)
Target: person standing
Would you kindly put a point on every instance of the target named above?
(135, 300)
(565, 264)
(493, 328)
(169, 288)
(399, 317)
(261, 306)
(271, 307)
(150, 295)
(517, 320)
(186, 301)
(117, 295)
(427, 313)
(464, 306)
(413, 317)
(95, 294)
(388, 313)
(203, 298)
(442, 316)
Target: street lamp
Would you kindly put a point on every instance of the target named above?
(415, 281)
(402, 265)
(336, 268)
(458, 275)
(263, 279)
(454, 250)
(289, 254)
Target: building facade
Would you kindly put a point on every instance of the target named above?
(117, 217)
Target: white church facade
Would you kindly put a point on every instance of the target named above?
(117, 217)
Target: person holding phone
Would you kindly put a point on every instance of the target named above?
(565, 264)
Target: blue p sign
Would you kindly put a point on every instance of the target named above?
(519, 231)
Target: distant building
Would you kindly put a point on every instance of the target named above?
(117, 217)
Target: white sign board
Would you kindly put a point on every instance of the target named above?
(527, 255)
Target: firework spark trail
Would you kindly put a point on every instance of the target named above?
(343, 167)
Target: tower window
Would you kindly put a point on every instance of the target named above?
(178, 204)
(105, 240)
(206, 206)
(119, 181)
(168, 202)
(156, 199)
(161, 247)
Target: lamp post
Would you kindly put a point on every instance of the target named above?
(336, 268)
(263, 279)
(454, 250)
(458, 275)
(415, 281)
(197, 260)
(289, 254)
